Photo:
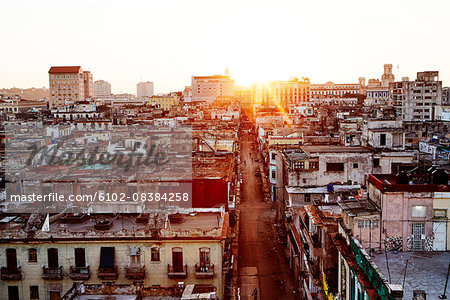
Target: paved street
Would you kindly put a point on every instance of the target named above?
(262, 264)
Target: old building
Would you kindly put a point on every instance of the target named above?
(208, 88)
(358, 276)
(413, 210)
(144, 89)
(88, 85)
(312, 256)
(158, 249)
(102, 89)
(164, 102)
(419, 100)
(66, 85)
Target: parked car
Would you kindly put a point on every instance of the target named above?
(257, 173)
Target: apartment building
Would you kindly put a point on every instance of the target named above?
(88, 85)
(164, 102)
(334, 90)
(145, 89)
(66, 85)
(102, 89)
(156, 249)
(208, 88)
(413, 210)
(419, 100)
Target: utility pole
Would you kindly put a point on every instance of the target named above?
(443, 296)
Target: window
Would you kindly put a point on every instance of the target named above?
(32, 255)
(205, 259)
(368, 224)
(11, 259)
(34, 292)
(155, 254)
(177, 259)
(383, 139)
(440, 213)
(307, 197)
(418, 211)
(355, 165)
(314, 164)
(273, 156)
(107, 257)
(13, 293)
(135, 256)
(52, 256)
(80, 258)
(299, 165)
(335, 167)
(376, 162)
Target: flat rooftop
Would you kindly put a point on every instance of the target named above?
(208, 224)
(334, 149)
(426, 271)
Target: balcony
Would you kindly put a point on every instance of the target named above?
(177, 272)
(52, 273)
(8, 274)
(107, 273)
(206, 271)
(80, 273)
(136, 273)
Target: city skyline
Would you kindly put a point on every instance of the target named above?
(254, 40)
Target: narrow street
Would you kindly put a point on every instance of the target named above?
(262, 263)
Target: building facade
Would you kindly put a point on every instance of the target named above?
(66, 85)
(102, 89)
(208, 88)
(145, 89)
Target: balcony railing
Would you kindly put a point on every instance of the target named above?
(9, 274)
(52, 273)
(204, 271)
(135, 273)
(80, 273)
(107, 273)
(177, 272)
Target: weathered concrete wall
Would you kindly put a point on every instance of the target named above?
(156, 272)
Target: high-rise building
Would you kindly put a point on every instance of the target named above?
(145, 89)
(419, 100)
(88, 85)
(102, 89)
(208, 88)
(66, 85)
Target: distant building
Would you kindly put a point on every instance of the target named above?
(283, 94)
(387, 78)
(145, 89)
(187, 94)
(164, 102)
(88, 85)
(419, 100)
(102, 89)
(331, 89)
(207, 88)
(66, 85)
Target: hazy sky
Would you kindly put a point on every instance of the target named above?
(168, 41)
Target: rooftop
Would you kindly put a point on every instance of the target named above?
(426, 271)
(200, 224)
(358, 207)
(334, 149)
(64, 69)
